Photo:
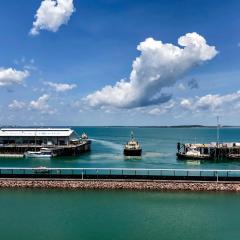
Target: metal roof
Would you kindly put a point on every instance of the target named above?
(38, 132)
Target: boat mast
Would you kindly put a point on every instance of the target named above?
(35, 140)
(218, 126)
(132, 135)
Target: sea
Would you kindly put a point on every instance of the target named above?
(91, 215)
(159, 149)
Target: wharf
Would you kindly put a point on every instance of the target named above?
(60, 141)
(18, 150)
(209, 151)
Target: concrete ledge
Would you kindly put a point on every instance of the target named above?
(121, 185)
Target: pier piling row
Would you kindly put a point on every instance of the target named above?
(18, 150)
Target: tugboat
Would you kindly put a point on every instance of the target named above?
(132, 148)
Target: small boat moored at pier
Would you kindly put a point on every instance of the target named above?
(192, 153)
(132, 148)
(43, 153)
(233, 156)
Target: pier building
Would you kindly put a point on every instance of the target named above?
(61, 141)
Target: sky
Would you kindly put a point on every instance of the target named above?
(119, 62)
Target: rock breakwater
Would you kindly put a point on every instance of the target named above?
(121, 185)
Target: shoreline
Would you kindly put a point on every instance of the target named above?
(191, 186)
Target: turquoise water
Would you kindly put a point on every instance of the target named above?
(159, 148)
(61, 214)
(54, 214)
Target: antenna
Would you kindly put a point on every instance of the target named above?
(218, 126)
(132, 135)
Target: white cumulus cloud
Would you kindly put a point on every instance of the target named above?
(159, 65)
(41, 105)
(162, 109)
(212, 102)
(51, 15)
(61, 87)
(15, 104)
(10, 76)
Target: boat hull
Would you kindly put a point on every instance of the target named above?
(132, 152)
(32, 155)
(183, 156)
(234, 156)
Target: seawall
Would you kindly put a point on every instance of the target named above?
(121, 185)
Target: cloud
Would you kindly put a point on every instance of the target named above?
(51, 15)
(41, 104)
(61, 87)
(181, 87)
(16, 105)
(193, 84)
(163, 108)
(159, 65)
(10, 76)
(212, 102)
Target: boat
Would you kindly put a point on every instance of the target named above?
(43, 153)
(132, 148)
(233, 156)
(192, 153)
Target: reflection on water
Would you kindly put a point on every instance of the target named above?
(193, 162)
(133, 158)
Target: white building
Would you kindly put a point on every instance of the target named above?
(37, 136)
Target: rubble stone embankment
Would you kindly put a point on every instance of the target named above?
(121, 185)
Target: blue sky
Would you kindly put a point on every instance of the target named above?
(51, 78)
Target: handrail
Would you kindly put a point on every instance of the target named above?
(125, 169)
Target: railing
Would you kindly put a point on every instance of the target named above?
(122, 173)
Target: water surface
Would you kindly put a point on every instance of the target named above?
(159, 148)
(55, 214)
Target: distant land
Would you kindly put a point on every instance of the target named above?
(171, 126)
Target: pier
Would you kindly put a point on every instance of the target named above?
(18, 150)
(208, 151)
(14, 142)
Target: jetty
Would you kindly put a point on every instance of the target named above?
(61, 141)
(208, 151)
